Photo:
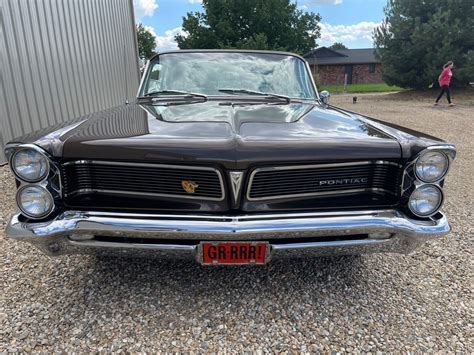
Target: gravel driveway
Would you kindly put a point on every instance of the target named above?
(370, 303)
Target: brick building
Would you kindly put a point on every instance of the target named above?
(330, 66)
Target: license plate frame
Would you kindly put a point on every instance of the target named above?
(261, 257)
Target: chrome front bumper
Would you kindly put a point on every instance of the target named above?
(293, 235)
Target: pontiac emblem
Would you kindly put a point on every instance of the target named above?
(236, 183)
(189, 186)
(343, 181)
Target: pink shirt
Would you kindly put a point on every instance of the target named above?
(445, 76)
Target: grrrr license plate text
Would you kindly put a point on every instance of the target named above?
(234, 253)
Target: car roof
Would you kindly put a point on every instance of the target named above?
(227, 51)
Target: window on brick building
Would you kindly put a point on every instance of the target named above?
(372, 68)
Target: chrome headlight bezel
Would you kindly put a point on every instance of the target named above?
(411, 180)
(47, 194)
(14, 166)
(424, 155)
(49, 180)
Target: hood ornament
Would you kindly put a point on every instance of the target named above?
(236, 178)
(189, 186)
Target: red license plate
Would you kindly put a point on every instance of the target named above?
(234, 252)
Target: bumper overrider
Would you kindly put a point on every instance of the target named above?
(288, 235)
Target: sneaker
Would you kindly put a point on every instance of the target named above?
(436, 104)
(451, 104)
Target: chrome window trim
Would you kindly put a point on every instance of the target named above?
(314, 166)
(144, 76)
(151, 165)
(315, 88)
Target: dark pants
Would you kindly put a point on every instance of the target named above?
(444, 89)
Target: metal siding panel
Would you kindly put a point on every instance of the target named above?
(75, 64)
(19, 68)
(133, 54)
(58, 36)
(104, 30)
(113, 44)
(6, 129)
(54, 62)
(97, 48)
(104, 49)
(62, 59)
(122, 56)
(89, 55)
(46, 110)
(48, 58)
(32, 81)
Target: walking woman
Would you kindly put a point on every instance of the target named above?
(444, 80)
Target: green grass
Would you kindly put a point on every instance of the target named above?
(382, 87)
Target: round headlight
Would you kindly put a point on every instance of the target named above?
(30, 165)
(35, 201)
(431, 166)
(425, 200)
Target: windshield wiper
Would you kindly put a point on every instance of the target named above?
(184, 94)
(259, 93)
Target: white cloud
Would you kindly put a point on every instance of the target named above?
(195, 2)
(323, 2)
(150, 29)
(167, 42)
(144, 7)
(347, 33)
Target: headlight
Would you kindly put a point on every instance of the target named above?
(431, 166)
(35, 201)
(425, 200)
(30, 165)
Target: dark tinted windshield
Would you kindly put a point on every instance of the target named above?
(209, 72)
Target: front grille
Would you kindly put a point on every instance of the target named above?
(85, 177)
(324, 179)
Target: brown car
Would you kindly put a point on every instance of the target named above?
(228, 157)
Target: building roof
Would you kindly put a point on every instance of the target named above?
(327, 56)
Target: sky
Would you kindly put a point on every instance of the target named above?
(348, 21)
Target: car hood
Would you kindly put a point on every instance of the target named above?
(235, 136)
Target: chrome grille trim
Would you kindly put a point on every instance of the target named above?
(317, 166)
(147, 165)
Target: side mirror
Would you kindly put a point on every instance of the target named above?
(324, 96)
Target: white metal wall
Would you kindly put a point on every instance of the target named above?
(62, 59)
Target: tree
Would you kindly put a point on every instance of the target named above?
(338, 45)
(467, 70)
(250, 24)
(146, 42)
(417, 37)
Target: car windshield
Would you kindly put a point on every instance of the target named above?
(228, 73)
